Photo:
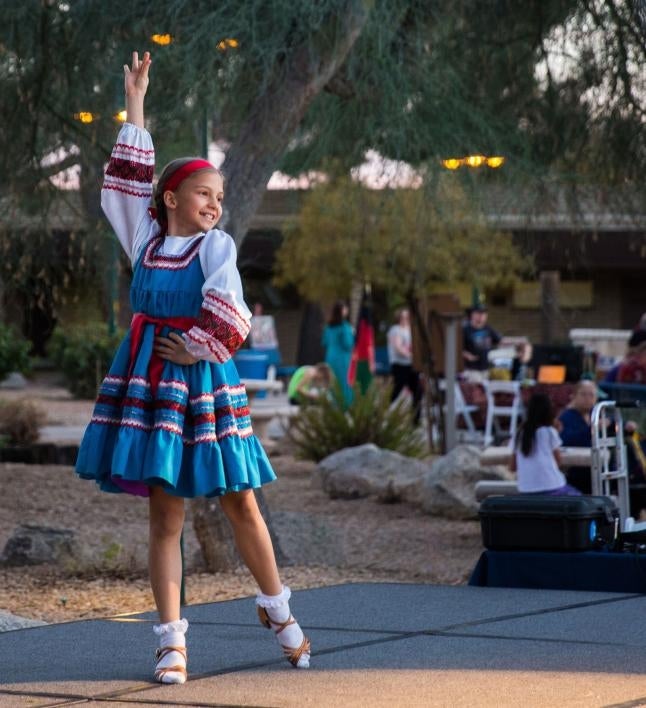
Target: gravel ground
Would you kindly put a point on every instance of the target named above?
(326, 541)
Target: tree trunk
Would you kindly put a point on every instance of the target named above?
(274, 117)
(215, 536)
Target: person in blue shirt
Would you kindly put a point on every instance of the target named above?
(338, 340)
(576, 431)
(478, 339)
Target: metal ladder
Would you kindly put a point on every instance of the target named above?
(609, 457)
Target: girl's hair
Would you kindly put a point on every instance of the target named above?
(337, 317)
(539, 414)
(168, 171)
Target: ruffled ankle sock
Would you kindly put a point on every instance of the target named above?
(171, 665)
(291, 636)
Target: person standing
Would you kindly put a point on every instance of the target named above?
(400, 355)
(172, 419)
(338, 340)
(478, 339)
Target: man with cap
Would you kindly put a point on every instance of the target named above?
(478, 339)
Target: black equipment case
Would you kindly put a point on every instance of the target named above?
(534, 522)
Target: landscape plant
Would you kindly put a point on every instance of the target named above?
(83, 354)
(328, 425)
(14, 351)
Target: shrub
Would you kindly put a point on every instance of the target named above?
(83, 354)
(20, 421)
(14, 351)
(326, 426)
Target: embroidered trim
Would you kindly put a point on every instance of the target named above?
(164, 262)
(133, 148)
(129, 170)
(131, 192)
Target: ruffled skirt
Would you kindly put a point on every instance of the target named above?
(192, 436)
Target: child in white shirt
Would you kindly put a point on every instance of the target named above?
(536, 458)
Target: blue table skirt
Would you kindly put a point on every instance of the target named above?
(591, 570)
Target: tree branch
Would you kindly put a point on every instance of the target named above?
(275, 115)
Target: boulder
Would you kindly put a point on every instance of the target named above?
(30, 544)
(448, 489)
(367, 470)
(14, 380)
(9, 622)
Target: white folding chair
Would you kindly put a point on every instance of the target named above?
(464, 409)
(495, 411)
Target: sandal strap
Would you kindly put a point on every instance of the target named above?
(272, 624)
(161, 671)
(165, 651)
(295, 654)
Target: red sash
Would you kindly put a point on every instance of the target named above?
(156, 365)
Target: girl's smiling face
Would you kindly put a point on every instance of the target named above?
(196, 205)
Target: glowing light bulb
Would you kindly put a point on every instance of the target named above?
(228, 43)
(452, 163)
(495, 161)
(162, 39)
(475, 160)
(121, 116)
(84, 116)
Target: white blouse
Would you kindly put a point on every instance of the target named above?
(223, 323)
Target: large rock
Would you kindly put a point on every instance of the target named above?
(448, 488)
(30, 544)
(367, 470)
(9, 622)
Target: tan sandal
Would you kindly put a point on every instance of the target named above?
(293, 654)
(162, 671)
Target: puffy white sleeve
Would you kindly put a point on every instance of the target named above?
(223, 322)
(127, 188)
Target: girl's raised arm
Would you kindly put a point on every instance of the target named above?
(127, 187)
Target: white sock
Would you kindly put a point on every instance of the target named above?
(277, 607)
(171, 634)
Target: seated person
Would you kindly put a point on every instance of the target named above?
(632, 369)
(520, 362)
(309, 383)
(536, 457)
(575, 430)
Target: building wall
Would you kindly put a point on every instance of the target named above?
(607, 311)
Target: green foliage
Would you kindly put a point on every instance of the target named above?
(404, 241)
(326, 426)
(20, 421)
(14, 352)
(84, 354)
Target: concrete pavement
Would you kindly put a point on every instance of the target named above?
(373, 645)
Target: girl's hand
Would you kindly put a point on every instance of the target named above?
(172, 348)
(136, 78)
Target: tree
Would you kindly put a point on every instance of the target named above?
(405, 242)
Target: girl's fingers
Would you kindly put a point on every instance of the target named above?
(135, 61)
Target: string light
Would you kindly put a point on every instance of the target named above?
(452, 163)
(121, 116)
(475, 160)
(84, 116)
(162, 39)
(227, 43)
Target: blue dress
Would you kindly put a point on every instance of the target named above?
(185, 428)
(338, 341)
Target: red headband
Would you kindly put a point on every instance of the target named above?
(173, 182)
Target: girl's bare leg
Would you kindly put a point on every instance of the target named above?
(252, 539)
(254, 545)
(164, 556)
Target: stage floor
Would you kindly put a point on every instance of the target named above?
(374, 645)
